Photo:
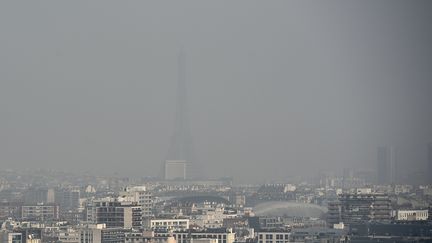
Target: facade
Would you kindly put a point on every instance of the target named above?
(238, 199)
(140, 195)
(114, 214)
(175, 169)
(90, 235)
(359, 208)
(147, 237)
(273, 237)
(222, 235)
(67, 199)
(68, 236)
(39, 195)
(386, 167)
(146, 202)
(169, 224)
(318, 234)
(30, 234)
(206, 240)
(270, 222)
(429, 147)
(100, 234)
(391, 232)
(412, 215)
(9, 210)
(11, 237)
(39, 212)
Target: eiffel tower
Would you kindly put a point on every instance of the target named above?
(179, 161)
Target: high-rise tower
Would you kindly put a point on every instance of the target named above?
(386, 167)
(181, 146)
(429, 148)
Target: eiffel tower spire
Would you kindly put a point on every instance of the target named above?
(181, 145)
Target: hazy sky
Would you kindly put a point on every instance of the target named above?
(275, 88)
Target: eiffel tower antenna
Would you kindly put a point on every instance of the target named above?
(180, 153)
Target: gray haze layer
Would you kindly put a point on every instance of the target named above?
(275, 88)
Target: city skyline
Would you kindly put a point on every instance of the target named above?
(277, 90)
(215, 121)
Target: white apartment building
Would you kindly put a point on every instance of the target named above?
(412, 215)
(140, 195)
(220, 235)
(98, 233)
(169, 224)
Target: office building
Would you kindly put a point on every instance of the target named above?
(141, 196)
(412, 215)
(430, 162)
(221, 235)
(9, 210)
(39, 195)
(169, 224)
(273, 236)
(99, 233)
(147, 237)
(39, 212)
(114, 214)
(386, 166)
(317, 234)
(359, 208)
(67, 199)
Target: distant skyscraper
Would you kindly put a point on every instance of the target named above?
(430, 162)
(181, 145)
(386, 169)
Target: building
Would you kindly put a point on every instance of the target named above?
(31, 234)
(359, 208)
(175, 169)
(140, 195)
(386, 166)
(147, 237)
(68, 235)
(169, 224)
(318, 234)
(39, 195)
(269, 222)
(238, 199)
(100, 234)
(273, 192)
(430, 212)
(221, 234)
(39, 212)
(67, 199)
(412, 215)
(273, 236)
(205, 240)
(114, 214)
(430, 162)
(391, 232)
(211, 217)
(11, 237)
(9, 210)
